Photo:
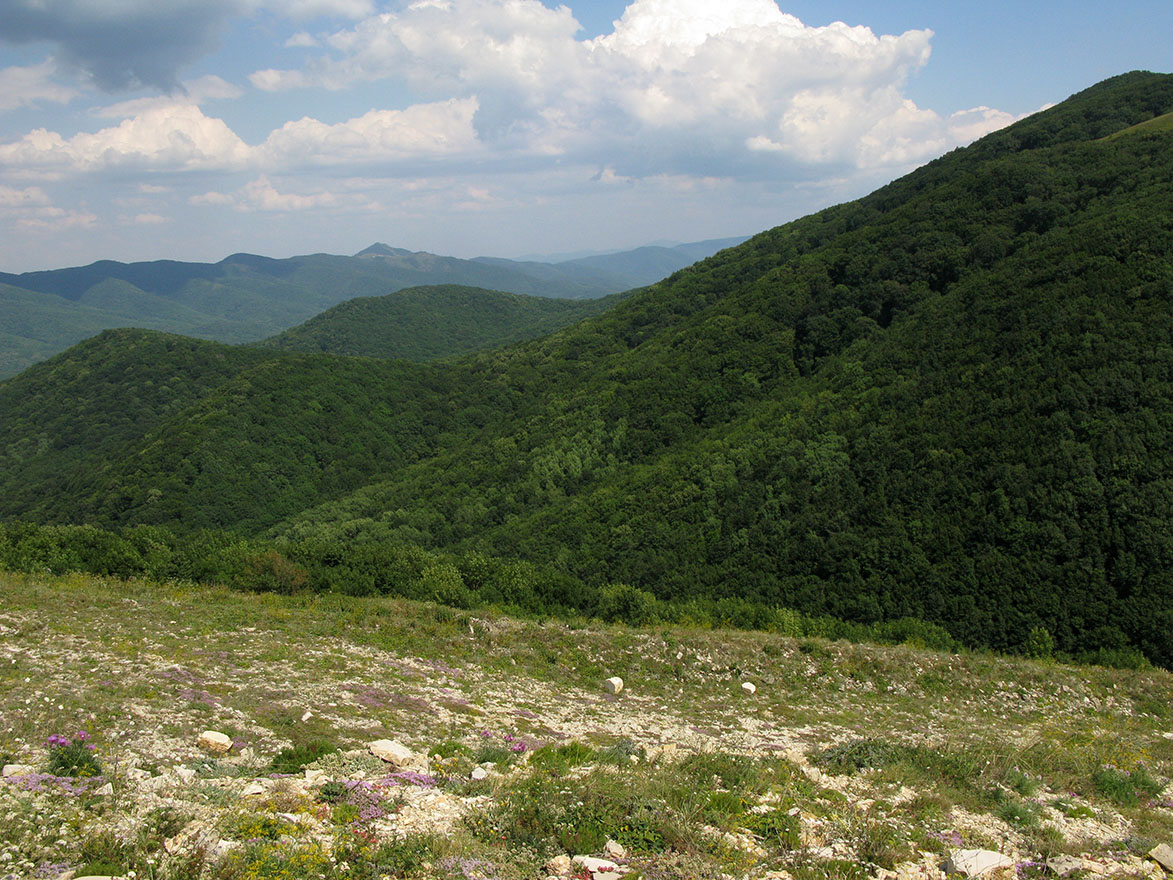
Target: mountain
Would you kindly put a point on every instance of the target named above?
(950, 400)
(427, 323)
(246, 297)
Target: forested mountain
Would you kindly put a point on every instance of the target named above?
(951, 400)
(245, 297)
(428, 323)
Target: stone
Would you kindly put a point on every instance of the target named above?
(749, 688)
(1063, 865)
(316, 777)
(613, 685)
(106, 790)
(1163, 856)
(306, 715)
(253, 789)
(479, 774)
(976, 862)
(215, 742)
(559, 866)
(601, 869)
(396, 754)
(613, 849)
(95, 877)
(11, 770)
(186, 775)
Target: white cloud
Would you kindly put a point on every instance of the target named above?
(423, 130)
(261, 195)
(21, 86)
(195, 91)
(33, 196)
(679, 85)
(301, 40)
(149, 219)
(217, 199)
(170, 137)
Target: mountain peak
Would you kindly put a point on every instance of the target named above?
(378, 249)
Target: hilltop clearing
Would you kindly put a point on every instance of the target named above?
(844, 761)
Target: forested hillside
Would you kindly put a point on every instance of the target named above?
(428, 323)
(950, 400)
(245, 297)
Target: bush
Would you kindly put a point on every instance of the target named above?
(294, 759)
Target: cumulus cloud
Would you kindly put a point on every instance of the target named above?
(677, 85)
(195, 91)
(172, 137)
(123, 44)
(12, 198)
(21, 86)
(439, 129)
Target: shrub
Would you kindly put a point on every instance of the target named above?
(1039, 644)
(854, 755)
(1124, 788)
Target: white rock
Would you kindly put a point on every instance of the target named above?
(613, 685)
(479, 774)
(1163, 856)
(394, 753)
(975, 862)
(253, 789)
(748, 687)
(601, 869)
(215, 742)
(559, 866)
(186, 775)
(106, 790)
(316, 777)
(306, 715)
(16, 770)
(137, 774)
(1064, 865)
(613, 849)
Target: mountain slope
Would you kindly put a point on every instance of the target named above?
(246, 297)
(952, 399)
(427, 323)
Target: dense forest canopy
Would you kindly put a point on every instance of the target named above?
(951, 400)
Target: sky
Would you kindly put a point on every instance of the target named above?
(193, 129)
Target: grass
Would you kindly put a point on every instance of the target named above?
(975, 749)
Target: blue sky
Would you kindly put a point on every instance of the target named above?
(192, 129)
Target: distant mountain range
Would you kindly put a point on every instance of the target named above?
(246, 297)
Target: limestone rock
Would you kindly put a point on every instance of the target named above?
(479, 774)
(106, 790)
(613, 685)
(613, 849)
(749, 688)
(186, 775)
(559, 866)
(396, 754)
(976, 862)
(1163, 856)
(316, 777)
(16, 770)
(1064, 865)
(253, 789)
(215, 742)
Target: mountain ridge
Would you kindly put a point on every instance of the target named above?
(948, 400)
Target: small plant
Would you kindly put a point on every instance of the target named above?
(294, 759)
(776, 830)
(332, 792)
(72, 756)
(1125, 788)
(559, 759)
(1025, 785)
(852, 756)
(1019, 815)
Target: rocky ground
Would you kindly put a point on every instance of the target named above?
(506, 752)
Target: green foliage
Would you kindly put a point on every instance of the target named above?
(856, 754)
(72, 757)
(1126, 788)
(294, 758)
(1019, 814)
(948, 402)
(1039, 644)
(428, 323)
